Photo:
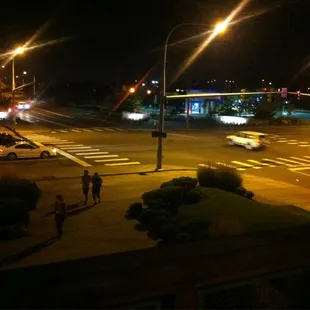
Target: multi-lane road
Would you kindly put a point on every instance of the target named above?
(85, 141)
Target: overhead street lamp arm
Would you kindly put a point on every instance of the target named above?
(24, 85)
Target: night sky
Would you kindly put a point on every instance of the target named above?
(114, 41)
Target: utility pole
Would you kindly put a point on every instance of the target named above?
(13, 92)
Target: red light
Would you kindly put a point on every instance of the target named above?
(265, 89)
(298, 92)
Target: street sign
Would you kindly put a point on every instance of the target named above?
(157, 134)
(283, 92)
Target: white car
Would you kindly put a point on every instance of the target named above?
(26, 149)
(23, 106)
(248, 139)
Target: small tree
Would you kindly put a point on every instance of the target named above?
(266, 109)
(227, 106)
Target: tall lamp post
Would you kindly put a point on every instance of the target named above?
(19, 50)
(219, 28)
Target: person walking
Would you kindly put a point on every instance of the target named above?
(60, 214)
(86, 179)
(97, 184)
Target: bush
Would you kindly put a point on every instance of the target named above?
(168, 198)
(193, 196)
(187, 183)
(228, 179)
(26, 190)
(224, 178)
(206, 176)
(241, 191)
(134, 211)
(249, 195)
(168, 232)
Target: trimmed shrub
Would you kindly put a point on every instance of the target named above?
(14, 212)
(206, 176)
(249, 194)
(168, 232)
(134, 211)
(241, 191)
(26, 190)
(228, 179)
(187, 183)
(224, 178)
(191, 197)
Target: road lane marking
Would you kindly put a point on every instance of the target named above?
(93, 153)
(108, 160)
(64, 131)
(71, 146)
(73, 158)
(124, 164)
(278, 162)
(292, 140)
(88, 130)
(307, 157)
(243, 165)
(262, 164)
(292, 143)
(53, 132)
(120, 129)
(300, 159)
(299, 169)
(109, 129)
(75, 130)
(303, 142)
(281, 141)
(90, 150)
(60, 144)
(101, 156)
(303, 145)
(289, 161)
(97, 129)
(78, 149)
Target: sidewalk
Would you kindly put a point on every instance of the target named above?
(102, 229)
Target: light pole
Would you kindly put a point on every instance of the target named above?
(19, 50)
(219, 28)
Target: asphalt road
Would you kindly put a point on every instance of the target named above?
(87, 143)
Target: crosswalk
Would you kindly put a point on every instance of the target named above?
(288, 162)
(303, 144)
(76, 151)
(97, 129)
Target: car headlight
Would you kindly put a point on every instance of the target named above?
(54, 150)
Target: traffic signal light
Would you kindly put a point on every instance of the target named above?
(265, 89)
(298, 93)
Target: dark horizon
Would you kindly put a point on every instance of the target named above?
(125, 41)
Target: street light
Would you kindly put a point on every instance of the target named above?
(219, 28)
(132, 90)
(148, 92)
(25, 72)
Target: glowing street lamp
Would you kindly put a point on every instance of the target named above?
(19, 50)
(25, 72)
(132, 90)
(220, 27)
(148, 92)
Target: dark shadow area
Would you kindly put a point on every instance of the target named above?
(10, 234)
(27, 252)
(75, 211)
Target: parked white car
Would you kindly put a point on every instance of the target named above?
(26, 149)
(248, 139)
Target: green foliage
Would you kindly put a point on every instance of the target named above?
(185, 182)
(266, 108)
(25, 190)
(134, 211)
(224, 178)
(249, 195)
(226, 108)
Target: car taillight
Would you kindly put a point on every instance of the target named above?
(9, 110)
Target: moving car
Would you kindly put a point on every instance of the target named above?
(25, 149)
(248, 139)
(23, 106)
(5, 111)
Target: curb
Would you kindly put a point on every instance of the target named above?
(53, 178)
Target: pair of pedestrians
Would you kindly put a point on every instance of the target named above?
(96, 188)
